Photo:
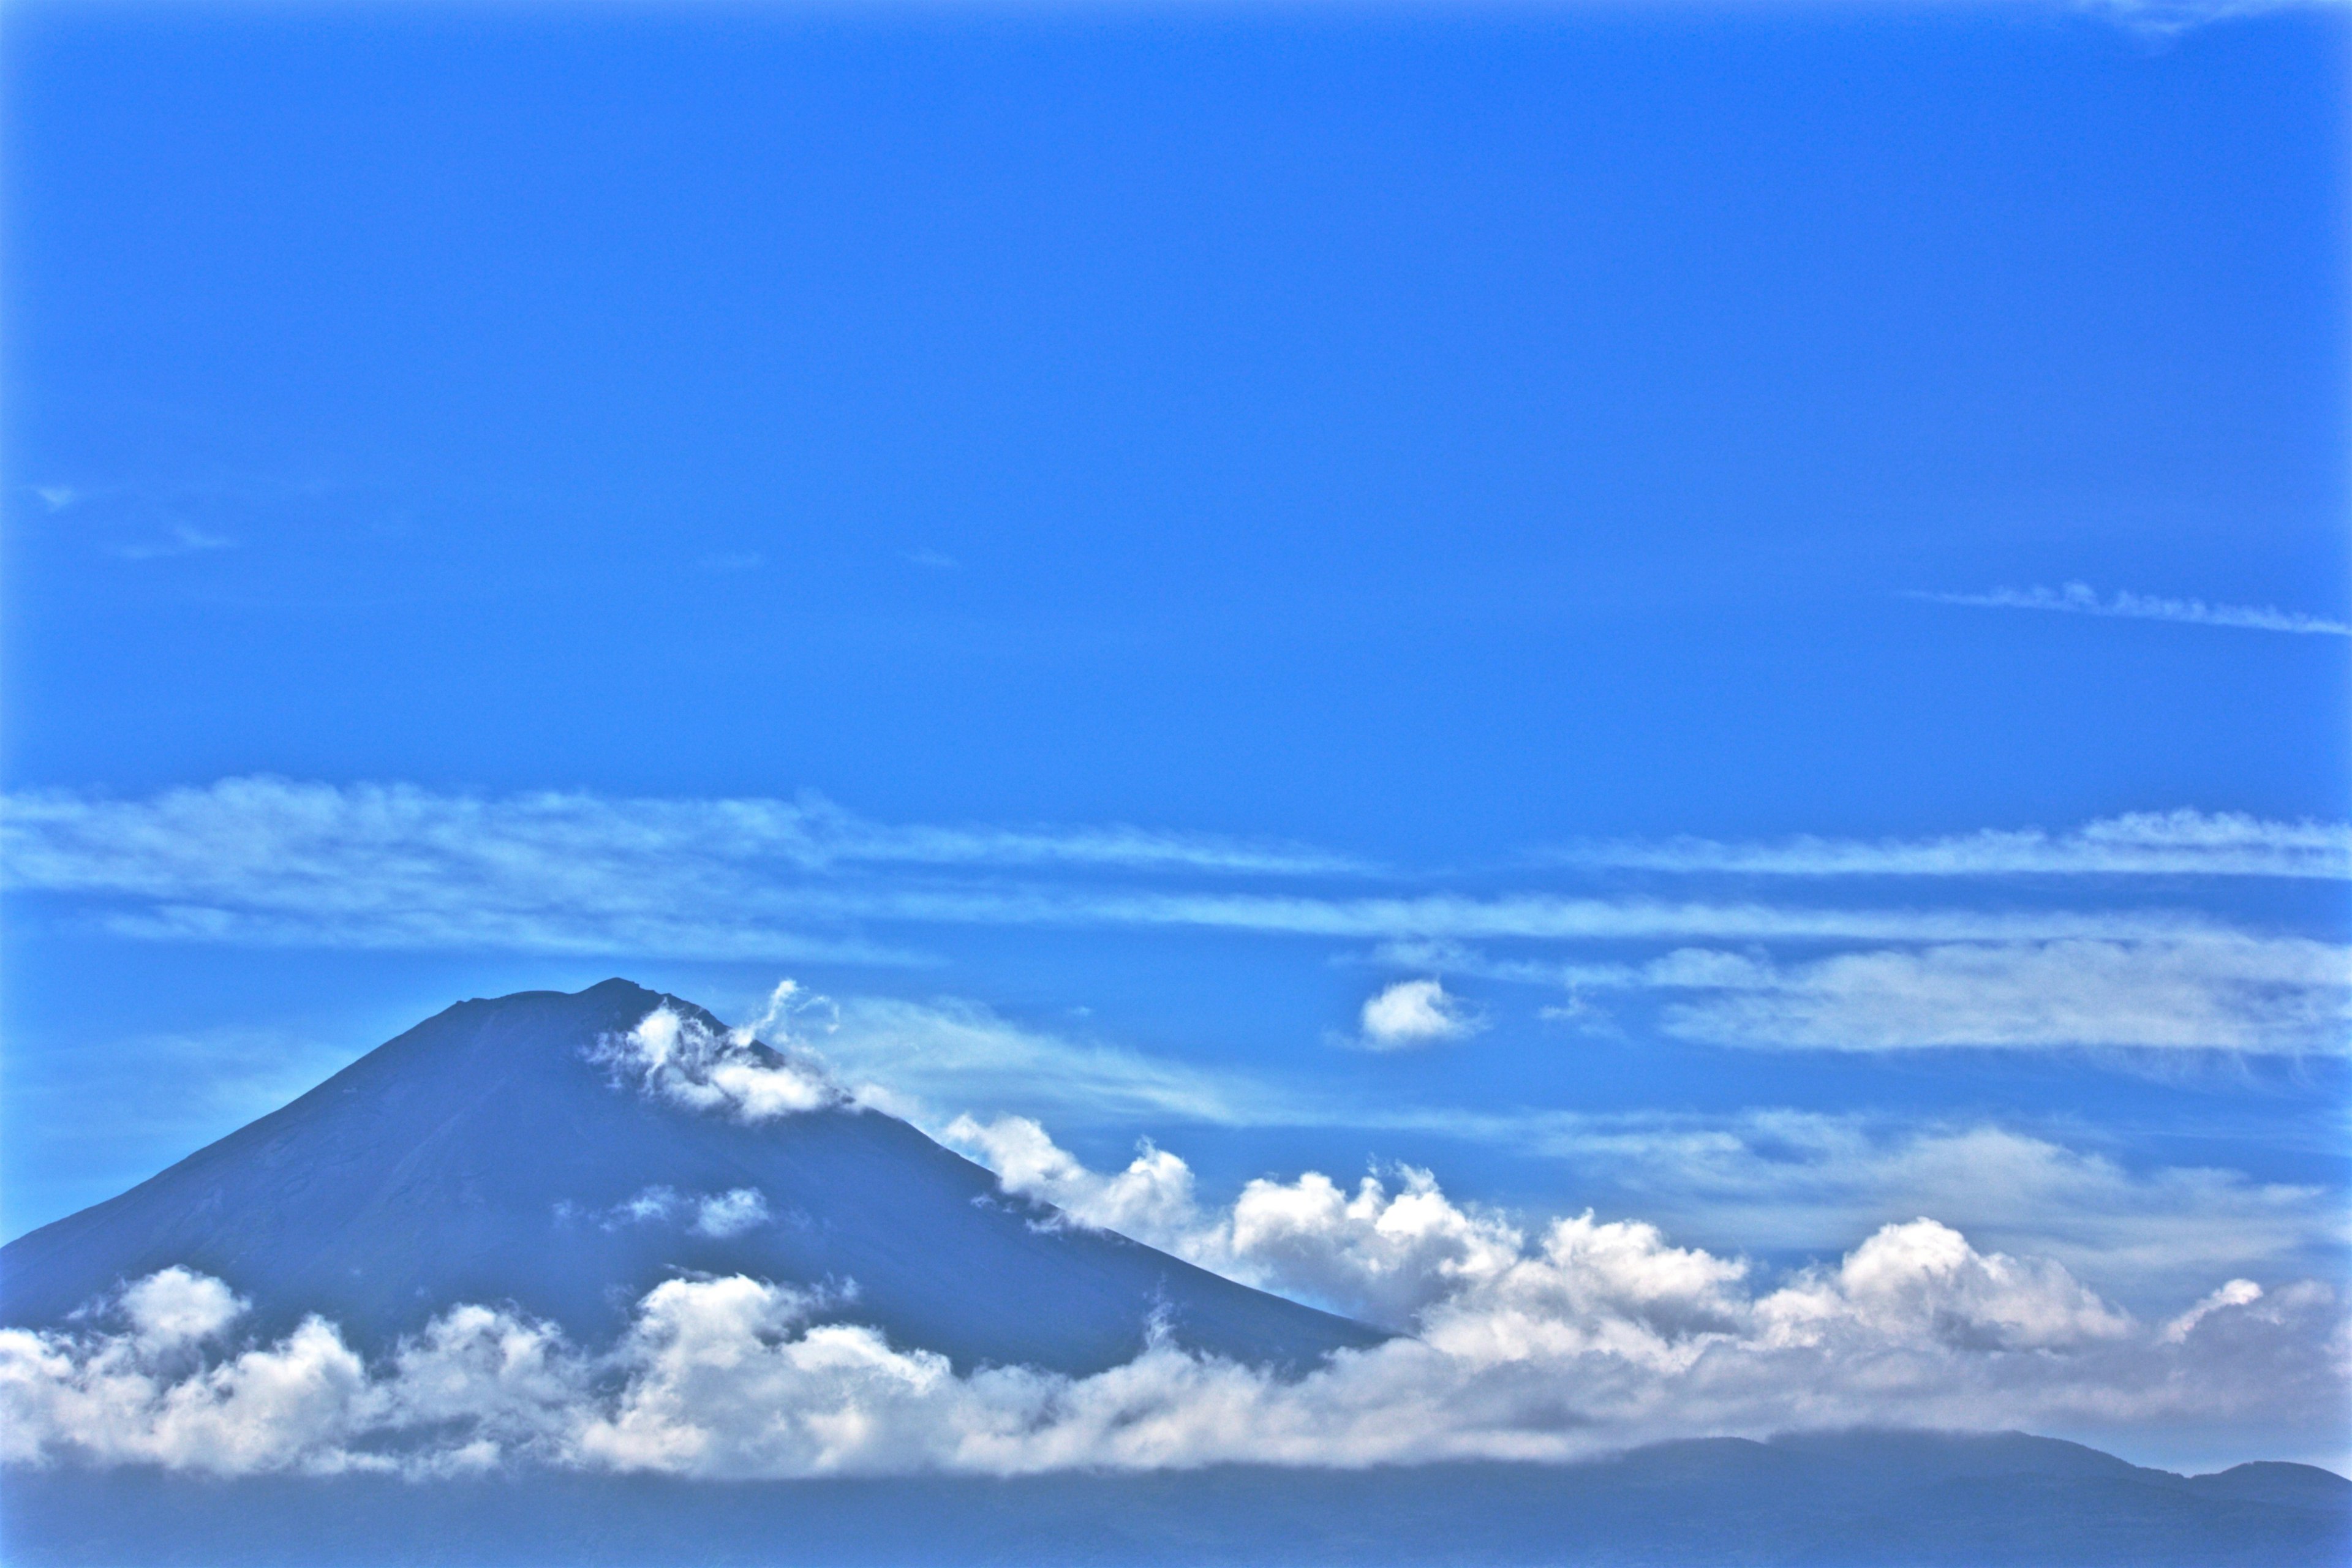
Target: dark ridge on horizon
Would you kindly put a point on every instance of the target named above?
(1855, 1499)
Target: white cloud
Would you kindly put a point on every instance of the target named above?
(2166, 843)
(2211, 992)
(1588, 1338)
(678, 1058)
(1790, 1181)
(2166, 19)
(731, 1213)
(2230, 1293)
(180, 539)
(1555, 1340)
(717, 1214)
(1796, 1182)
(2276, 996)
(647, 1208)
(2081, 599)
(266, 861)
(176, 1307)
(1413, 1013)
(908, 1057)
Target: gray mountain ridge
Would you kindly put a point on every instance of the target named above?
(1857, 1499)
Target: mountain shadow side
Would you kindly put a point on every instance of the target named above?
(483, 1156)
(1876, 1499)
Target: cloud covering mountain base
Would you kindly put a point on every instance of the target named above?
(1550, 1343)
(1595, 1338)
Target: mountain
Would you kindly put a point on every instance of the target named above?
(1865, 1499)
(487, 1155)
(509, 1150)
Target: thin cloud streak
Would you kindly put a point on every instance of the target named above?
(2081, 599)
(256, 821)
(2216, 992)
(2146, 842)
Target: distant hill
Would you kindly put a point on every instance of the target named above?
(483, 1156)
(1850, 1500)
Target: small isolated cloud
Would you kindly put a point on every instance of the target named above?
(179, 1307)
(931, 559)
(181, 539)
(647, 1207)
(1413, 1013)
(731, 1213)
(57, 498)
(678, 1058)
(716, 1215)
(2081, 599)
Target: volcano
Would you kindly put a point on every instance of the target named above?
(501, 1152)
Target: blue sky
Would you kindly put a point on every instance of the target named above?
(1782, 571)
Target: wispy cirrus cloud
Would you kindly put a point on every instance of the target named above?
(2267, 996)
(2214, 991)
(2144, 843)
(2081, 599)
(2168, 18)
(269, 861)
(179, 538)
(263, 817)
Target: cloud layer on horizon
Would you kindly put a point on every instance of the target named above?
(1586, 1339)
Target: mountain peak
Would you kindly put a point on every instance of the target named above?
(564, 1154)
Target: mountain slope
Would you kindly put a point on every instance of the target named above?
(483, 1156)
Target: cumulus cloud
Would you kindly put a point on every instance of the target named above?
(1784, 1180)
(2165, 843)
(1548, 1340)
(1796, 1182)
(2081, 599)
(678, 1058)
(1413, 1013)
(1585, 1338)
(176, 1307)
